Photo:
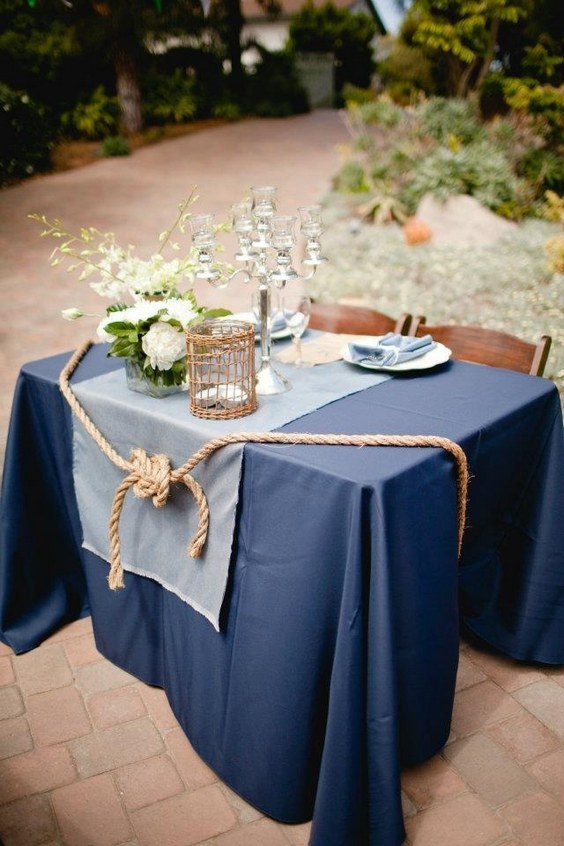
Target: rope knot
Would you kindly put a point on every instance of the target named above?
(152, 474)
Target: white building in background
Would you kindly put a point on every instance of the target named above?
(272, 33)
(316, 69)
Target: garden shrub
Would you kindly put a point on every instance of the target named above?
(544, 168)
(405, 72)
(26, 135)
(443, 118)
(273, 89)
(351, 178)
(94, 118)
(478, 169)
(115, 146)
(383, 112)
(169, 98)
(227, 109)
(354, 95)
(544, 104)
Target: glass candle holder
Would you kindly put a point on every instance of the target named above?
(282, 229)
(263, 208)
(203, 232)
(242, 224)
(311, 224)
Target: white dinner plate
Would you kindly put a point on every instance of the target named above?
(249, 317)
(438, 355)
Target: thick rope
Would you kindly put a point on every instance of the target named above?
(152, 475)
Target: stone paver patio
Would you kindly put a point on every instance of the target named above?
(89, 756)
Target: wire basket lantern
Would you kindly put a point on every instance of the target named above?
(221, 369)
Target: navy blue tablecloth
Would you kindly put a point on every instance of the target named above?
(337, 656)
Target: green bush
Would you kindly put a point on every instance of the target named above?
(351, 179)
(115, 146)
(444, 118)
(382, 112)
(169, 99)
(354, 95)
(94, 118)
(227, 109)
(479, 169)
(26, 136)
(543, 103)
(544, 168)
(273, 89)
(405, 72)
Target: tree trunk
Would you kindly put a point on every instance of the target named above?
(122, 32)
(464, 81)
(489, 55)
(234, 27)
(128, 91)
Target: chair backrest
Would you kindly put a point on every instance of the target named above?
(488, 346)
(356, 320)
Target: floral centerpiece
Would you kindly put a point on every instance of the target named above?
(146, 322)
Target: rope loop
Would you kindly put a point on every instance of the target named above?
(153, 472)
(152, 476)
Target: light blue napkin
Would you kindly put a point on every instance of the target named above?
(391, 349)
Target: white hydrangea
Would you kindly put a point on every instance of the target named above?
(163, 344)
(171, 339)
(181, 310)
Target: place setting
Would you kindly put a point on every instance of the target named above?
(394, 353)
(389, 353)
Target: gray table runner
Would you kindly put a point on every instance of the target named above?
(154, 541)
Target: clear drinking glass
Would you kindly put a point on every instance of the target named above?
(296, 308)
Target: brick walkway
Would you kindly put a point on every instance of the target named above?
(89, 756)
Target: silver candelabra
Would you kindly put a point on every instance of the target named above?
(265, 242)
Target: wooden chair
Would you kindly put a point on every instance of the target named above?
(355, 320)
(488, 346)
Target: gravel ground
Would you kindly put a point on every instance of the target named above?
(505, 285)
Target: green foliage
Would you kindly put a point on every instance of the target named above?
(447, 118)
(462, 34)
(543, 103)
(353, 94)
(348, 35)
(95, 117)
(405, 72)
(115, 146)
(553, 207)
(539, 63)
(227, 109)
(351, 179)
(441, 147)
(381, 112)
(479, 169)
(169, 99)
(25, 135)
(542, 167)
(274, 89)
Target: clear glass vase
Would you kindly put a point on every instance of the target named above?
(138, 381)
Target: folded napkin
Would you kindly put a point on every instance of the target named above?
(391, 349)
